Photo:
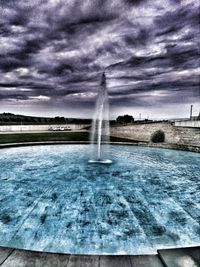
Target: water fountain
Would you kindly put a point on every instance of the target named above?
(100, 133)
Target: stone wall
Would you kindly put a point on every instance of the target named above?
(35, 128)
(189, 123)
(173, 135)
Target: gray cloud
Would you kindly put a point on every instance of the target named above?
(53, 53)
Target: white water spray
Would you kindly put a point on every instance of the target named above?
(100, 134)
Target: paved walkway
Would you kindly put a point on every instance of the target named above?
(42, 131)
(185, 257)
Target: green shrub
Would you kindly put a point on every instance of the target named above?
(158, 137)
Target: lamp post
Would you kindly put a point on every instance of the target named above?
(191, 107)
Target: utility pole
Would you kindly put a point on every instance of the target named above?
(191, 107)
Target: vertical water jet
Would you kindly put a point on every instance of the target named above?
(100, 134)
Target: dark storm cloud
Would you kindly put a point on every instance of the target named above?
(54, 51)
(135, 2)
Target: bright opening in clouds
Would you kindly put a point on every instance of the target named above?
(52, 54)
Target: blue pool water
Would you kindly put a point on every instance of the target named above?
(52, 199)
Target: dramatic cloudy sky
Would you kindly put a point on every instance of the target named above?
(52, 54)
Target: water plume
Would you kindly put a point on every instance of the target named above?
(100, 134)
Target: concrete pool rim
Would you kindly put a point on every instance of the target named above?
(163, 258)
(185, 148)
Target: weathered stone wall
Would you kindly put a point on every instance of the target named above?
(195, 124)
(32, 128)
(189, 136)
(173, 134)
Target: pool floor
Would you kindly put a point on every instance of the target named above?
(52, 200)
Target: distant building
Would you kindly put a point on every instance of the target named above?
(195, 118)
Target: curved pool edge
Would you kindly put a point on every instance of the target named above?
(131, 143)
(163, 258)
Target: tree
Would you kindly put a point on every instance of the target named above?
(158, 137)
(59, 119)
(125, 119)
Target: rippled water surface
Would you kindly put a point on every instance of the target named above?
(51, 199)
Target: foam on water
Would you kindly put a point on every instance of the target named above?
(102, 161)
